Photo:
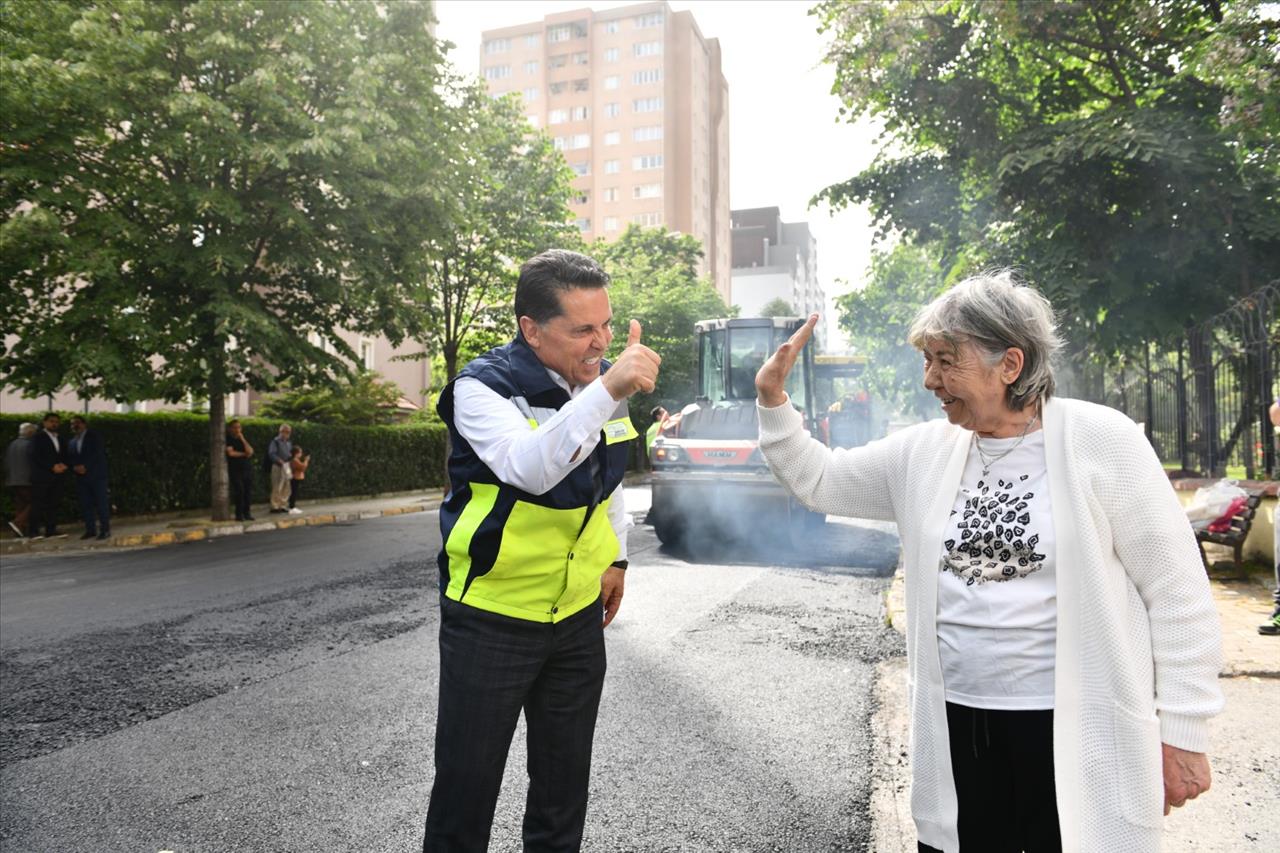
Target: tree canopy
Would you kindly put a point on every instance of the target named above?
(778, 307)
(199, 196)
(1125, 156)
(655, 280)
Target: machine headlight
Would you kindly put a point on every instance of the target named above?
(666, 454)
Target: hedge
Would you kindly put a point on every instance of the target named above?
(160, 462)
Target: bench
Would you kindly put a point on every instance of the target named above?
(1235, 535)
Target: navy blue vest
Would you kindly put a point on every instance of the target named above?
(514, 371)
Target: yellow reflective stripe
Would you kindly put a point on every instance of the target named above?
(483, 497)
(542, 564)
(619, 429)
(533, 423)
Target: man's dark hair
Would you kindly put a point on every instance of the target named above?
(81, 418)
(657, 412)
(544, 277)
(233, 421)
(48, 415)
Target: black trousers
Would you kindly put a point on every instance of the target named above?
(1003, 767)
(95, 504)
(241, 482)
(295, 486)
(46, 497)
(491, 668)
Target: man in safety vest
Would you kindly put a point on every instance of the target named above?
(535, 545)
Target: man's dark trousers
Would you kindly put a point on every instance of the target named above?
(241, 482)
(47, 496)
(491, 667)
(95, 505)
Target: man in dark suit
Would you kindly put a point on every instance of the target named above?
(48, 465)
(88, 458)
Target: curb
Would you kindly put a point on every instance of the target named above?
(217, 530)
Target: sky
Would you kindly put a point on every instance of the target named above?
(786, 142)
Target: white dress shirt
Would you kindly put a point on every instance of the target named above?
(535, 460)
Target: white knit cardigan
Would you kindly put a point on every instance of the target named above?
(1138, 644)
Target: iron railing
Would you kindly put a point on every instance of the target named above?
(1204, 398)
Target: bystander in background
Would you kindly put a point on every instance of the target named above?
(48, 465)
(278, 454)
(298, 465)
(1272, 626)
(87, 456)
(17, 477)
(239, 469)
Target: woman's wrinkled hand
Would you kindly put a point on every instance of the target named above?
(1186, 775)
(771, 379)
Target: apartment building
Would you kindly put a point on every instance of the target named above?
(773, 259)
(636, 100)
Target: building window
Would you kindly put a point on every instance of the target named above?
(611, 223)
(560, 60)
(579, 113)
(531, 40)
(582, 85)
(646, 161)
(497, 72)
(611, 82)
(646, 105)
(653, 19)
(612, 110)
(559, 143)
(647, 191)
(557, 88)
(580, 140)
(647, 48)
(367, 354)
(557, 116)
(610, 193)
(493, 46)
(613, 137)
(531, 67)
(581, 168)
(648, 75)
(647, 219)
(584, 224)
(611, 54)
(580, 58)
(555, 35)
(610, 26)
(647, 134)
(612, 167)
(581, 197)
(530, 94)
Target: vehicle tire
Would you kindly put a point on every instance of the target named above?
(670, 532)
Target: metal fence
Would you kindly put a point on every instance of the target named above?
(1203, 399)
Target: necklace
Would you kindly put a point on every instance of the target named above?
(987, 462)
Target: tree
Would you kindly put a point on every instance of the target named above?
(365, 399)
(1103, 149)
(877, 318)
(199, 195)
(778, 308)
(655, 280)
(508, 200)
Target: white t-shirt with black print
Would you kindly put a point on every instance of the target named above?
(997, 592)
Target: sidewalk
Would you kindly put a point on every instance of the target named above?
(193, 526)
(1237, 814)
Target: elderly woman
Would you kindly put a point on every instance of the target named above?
(1062, 644)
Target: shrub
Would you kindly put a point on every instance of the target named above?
(160, 462)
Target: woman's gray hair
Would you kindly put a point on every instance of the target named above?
(994, 311)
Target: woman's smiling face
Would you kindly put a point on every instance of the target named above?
(973, 393)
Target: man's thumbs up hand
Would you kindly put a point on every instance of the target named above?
(635, 370)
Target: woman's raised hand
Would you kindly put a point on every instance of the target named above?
(771, 379)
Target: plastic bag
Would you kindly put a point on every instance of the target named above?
(1210, 503)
